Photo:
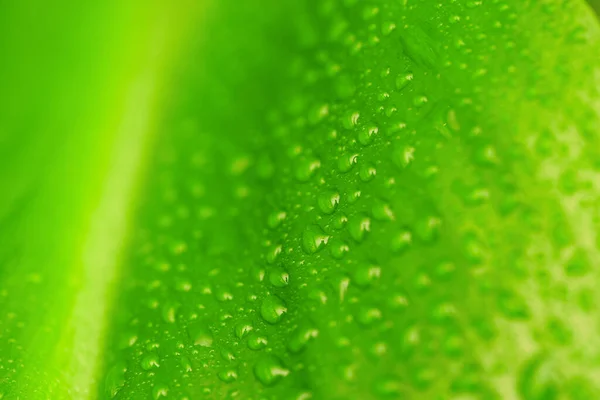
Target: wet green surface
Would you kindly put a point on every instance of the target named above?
(343, 200)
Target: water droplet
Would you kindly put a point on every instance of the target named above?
(273, 253)
(128, 339)
(403, 80)
(305, 169)
(115, 379)
(370, 12)
(368, 315)
(340, 221)
(313, 239)
(318, 113)
(338, 249)
(401, 241)
(420, 101)
(328, 201)
(183, 285)
(269, 370)
(169, 312)
(353, 195)
(399, 300)
(383, 96)
(486, 156)
(366, 135)
(223, 294)
(444, 270)
(150, 361)
(258, 273)
(160, 390)
(256, 341)
(351, 120)
(473, 248)
(358, 226)
(387, 28)
(186, 365)
(227, 354)
(367, 172)
(228, 375)
(318, 295)
(411, 339)
(243, 328)
(365, 275)
(200, 334)
(427, 229)
(403, 156)
(272, 309)
(346, 162)
(279, 277)
(381, 211)
(276, 218)
(300, 337)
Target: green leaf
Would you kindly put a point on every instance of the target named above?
(288, 200)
